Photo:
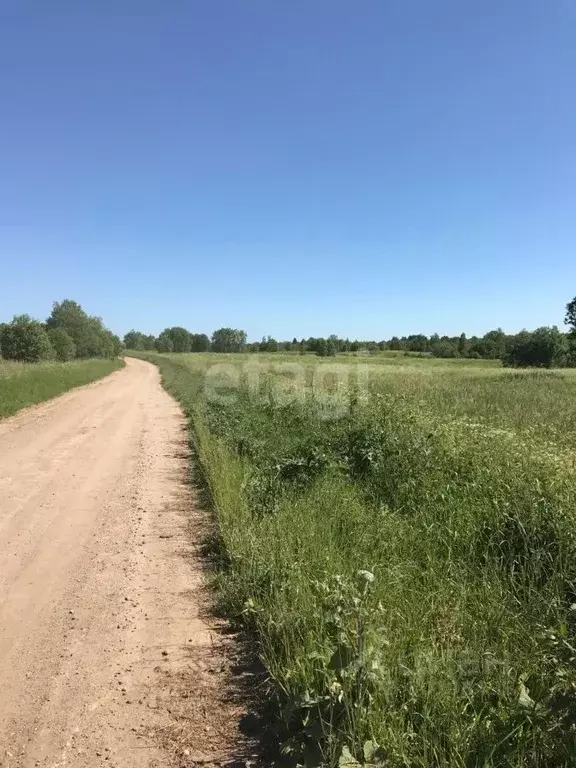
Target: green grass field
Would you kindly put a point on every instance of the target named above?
(399, 535)
(24, 384)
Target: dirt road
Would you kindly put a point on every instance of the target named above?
(101, 634)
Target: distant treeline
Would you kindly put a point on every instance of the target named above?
(67, 334)
(178, 339)
(544, 347)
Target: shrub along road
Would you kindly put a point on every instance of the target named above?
(101, 636)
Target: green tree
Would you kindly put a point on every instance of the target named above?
(62, 343)
(26, 340)
(149, 341)
(325, 348)
(164, 343)
(268, 344)
(88, 333)
(134, 340)
(228, 340)
(570, 319)
(109, 344)
(492, 346)
(416, 343)
(445, 349)
(200, 342)
(543, 348)
(181, 338)
(70, 316)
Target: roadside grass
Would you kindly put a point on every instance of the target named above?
(25, 384)
(401, 542)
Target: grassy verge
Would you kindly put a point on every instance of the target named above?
(24, 384)
(404, 552)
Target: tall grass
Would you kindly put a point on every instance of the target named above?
(24, 384)
(408, 566)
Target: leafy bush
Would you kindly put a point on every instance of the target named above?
(199, 342)
(25, 340)
(164, 343)
(63, 344)
(228, 340)
(136, 340)
(68, 333)
(109, 344)
(88, 333)
(544, 348)
(570, 318)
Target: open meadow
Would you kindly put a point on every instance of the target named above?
(24, 384)
(398, 533)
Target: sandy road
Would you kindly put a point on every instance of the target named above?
(98, 616)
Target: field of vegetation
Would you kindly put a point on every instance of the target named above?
(398, 533)
(545, 347)
(39, 360)
(24, 384)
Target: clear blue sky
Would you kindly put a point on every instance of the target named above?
(292, 167)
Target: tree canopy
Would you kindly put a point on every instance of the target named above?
(228, 340)
(543, 348)
(68, 333)
(570, 319)
(62, 343)
(88, 333)
(26, 340)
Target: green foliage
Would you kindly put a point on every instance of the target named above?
(164, 343)
(70, 316)
(139, 341)
(175, 339)
(133, 340)
(69, 332)
(63, 344)
(268, 344)
(494, 345)
(22, 384)
(570, 319)
(325, 347)
(444, 349)
(541, 351)
(26, 340)
(228, 340)
(110, 344)
(544, 348)
(181, 338)
(199, 342)
(408, 568)
(88, 333)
